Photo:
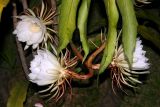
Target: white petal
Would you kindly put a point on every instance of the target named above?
(38, 105)
(15, 31)
(32, 76)
(45, 68)
(35, 46)
(139, 59)
(140, 66)
(26, 47)
(30, 30)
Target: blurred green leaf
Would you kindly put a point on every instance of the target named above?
(58, 2)
(3, 3)
(8, 54)
(129, 27)
(67, 22)
(150, 14)
(113, 17)
(34, 3)
(1, 9)
(82, 25)
(97, 11)
(78, 70)
(18, 94)
(150, 34)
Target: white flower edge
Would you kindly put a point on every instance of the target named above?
(45, 68)
(38, 105)
(122, 73)
(140, 62)
(30, 30)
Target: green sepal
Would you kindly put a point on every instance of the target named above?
(113, 17)
(129, 28)
(82, 25)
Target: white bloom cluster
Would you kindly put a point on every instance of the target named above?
(139, 59)
(122, 72)
(30, 30)
(45, 69)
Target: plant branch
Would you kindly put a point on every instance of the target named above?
(79, 55)
(80, 76)
(54, 4)
(19, 45)
(24, 4)
(89, 63)
(92, 57)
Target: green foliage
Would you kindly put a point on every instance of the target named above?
(67, 22)
(150, 34)
(113, 17)
(82, 24)
(149, 14)
(18, 94)
(58, 2)
(96, 39)
(8, 53)
(129, 27)
(96, 18)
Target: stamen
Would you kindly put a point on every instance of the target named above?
(42, 9)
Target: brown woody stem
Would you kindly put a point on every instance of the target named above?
(88, 63)
(19, 45)
(79, 76)
(24, 4)
(79, 55)
(92, 57)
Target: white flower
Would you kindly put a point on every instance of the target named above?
(34, 28)
(139, 59)
(45, 69)
(30, 30)
(122, 73)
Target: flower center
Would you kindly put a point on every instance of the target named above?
(34, 27)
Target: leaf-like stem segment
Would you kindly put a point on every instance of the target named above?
(113, 16)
